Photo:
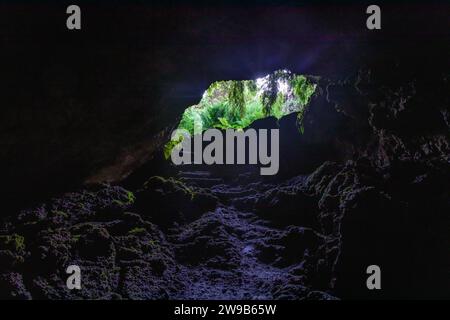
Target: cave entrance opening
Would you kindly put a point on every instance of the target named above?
(236, 105)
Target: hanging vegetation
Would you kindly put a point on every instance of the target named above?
(236, 104)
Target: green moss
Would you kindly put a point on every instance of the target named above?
(170, 183)
(237, 104)
(277, 107)
(104, 275)
(236, 99)
(153, 243)
(19, 242)
(300, 117)
(119, 203)
(130, 197)
(61, 213)
(170, 145)
(302, 89)
(13, 241)
(136, 230)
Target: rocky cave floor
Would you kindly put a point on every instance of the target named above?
(193, 237)
(197, 237)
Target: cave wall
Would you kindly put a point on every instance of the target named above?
(93, 105)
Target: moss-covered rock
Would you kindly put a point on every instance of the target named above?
(12, 251)
(13, 242)
(169, 200)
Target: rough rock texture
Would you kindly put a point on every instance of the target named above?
(390, 202)
(366, 183)
(121, 255)
(96, 105)
(220, 252)
(384, 200)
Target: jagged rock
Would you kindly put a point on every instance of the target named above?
(207, 240)
(177, 202)
(12, 251)
(96, 233)
(307, 237)
(321, 177)
(286, 206)
(138, 284)
(290, 292)
(12, 287)
(288, 247)
(319, 295)
(93, 242)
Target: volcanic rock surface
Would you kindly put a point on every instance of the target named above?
(195, 234)
(85, 116)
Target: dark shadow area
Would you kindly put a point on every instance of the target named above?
(85, 115)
